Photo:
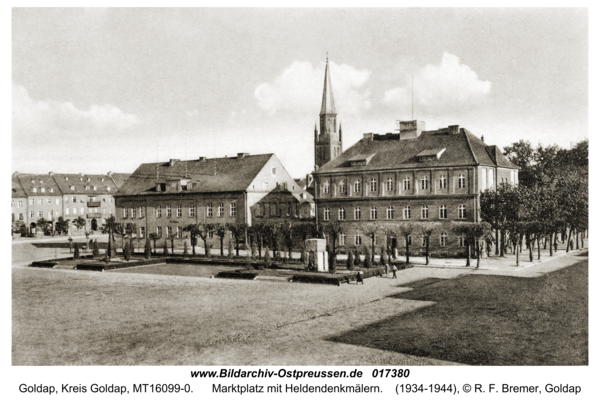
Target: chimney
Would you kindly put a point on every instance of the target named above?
(453, 129)
(368, 136)
(110, 173)
(202, 159)
(242, 155)
(411, 129)
(172, 162)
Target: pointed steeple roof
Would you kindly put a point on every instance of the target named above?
(328, 105)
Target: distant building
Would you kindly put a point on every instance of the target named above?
(71, 196)
(164, 198)
(411, 176)
(281, 205)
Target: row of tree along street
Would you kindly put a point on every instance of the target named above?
(550, 200)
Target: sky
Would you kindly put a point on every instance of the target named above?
(98, 90)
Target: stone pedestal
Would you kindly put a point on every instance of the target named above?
(316, 249)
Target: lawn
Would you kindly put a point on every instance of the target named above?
(490, 320)
(91, 318)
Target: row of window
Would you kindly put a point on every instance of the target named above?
(443, 240)
(40, 202)
(389, 213)
(390, 184)
(277, 209)
(178, 232)
(69, 212)
(138, 212)
(51, 190)
(92, 199)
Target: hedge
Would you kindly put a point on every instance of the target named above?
(236, 275)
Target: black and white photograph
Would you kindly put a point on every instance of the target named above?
(301, 195)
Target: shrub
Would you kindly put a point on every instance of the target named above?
(267, 257)
(236, 274)
(148, 249)
(127, 251)
(254, 249)
(208, 250)
(350, 261)
(76, 253)
(383, 256)
(95, 250)
(368, 259)
(166, 249)
(356, 257)
(230, 249)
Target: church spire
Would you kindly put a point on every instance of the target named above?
(328, 105)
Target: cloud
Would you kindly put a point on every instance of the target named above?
(300, 88)
(30, 116)
(447, 86)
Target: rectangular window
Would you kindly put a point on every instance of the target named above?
(74, 199)
(326, 214)
(141, 211)
(142, 232)
(168, 208)
(40, 214)
(273, 171)
(221, 210)
(67, 211)
(390, 213)
(192, 210)
(49, 201)
(178, 232)
(357, 239)
(357, 213)
(125, 213)
(232, 209)
(342, 214)
(57, 201)
(32, 213)
(34, 190)
(342, 240)
(31, 201)
(179, 210)
(169, 232)
(159, 232)
(210, 234)
(133, 212)
(40, 201)
(158, 211)
(209, 210)
(373, 213)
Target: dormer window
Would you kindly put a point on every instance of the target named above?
(102, 179)
(94, 187)
(43, 190)
(87, 188)
(108, 188)
(430, 155)
(33, 181)
(51, 190)
(88, 179)
(66, 178)
(72, 187)
(34, 190)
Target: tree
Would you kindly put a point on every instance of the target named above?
(42, 225)
(333, 229)
(185, 249)
(383, 256)
(357, 260)
(110, 226)
(238, 231)
(76, 254)
(288, 233)
(79, 223)
(406, 229)
(258, 232)
(166, 249)
(62, 225)
(371, 231)
(426, 228)
(193, 230)
(172, 239)
(208, 249)
(473, 232)
(221, 231)
(368, 258)
(131, 229)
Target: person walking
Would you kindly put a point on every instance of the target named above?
(394, 270)
(359, 278)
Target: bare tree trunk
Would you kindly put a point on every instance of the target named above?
(478, 251)
(497, 241)
(427, 251)
(407, 251)
(529, 246)
(550, 244)
(469, 253)
(539, 249)
(502, 244)
(576, 239)
(518, 257)
(568, 240)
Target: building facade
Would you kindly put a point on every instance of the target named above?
(164, 198)
(284, 205)
(411, 176)
(69, 196)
